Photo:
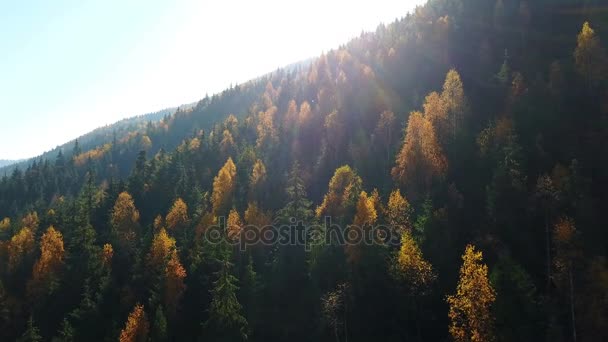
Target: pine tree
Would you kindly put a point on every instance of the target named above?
(32, 333)
(226, 322)
(298, 206)
(159, 328)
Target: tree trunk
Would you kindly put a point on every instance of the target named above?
(572, 303)
(548, 250)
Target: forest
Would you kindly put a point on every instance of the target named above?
(466, 141)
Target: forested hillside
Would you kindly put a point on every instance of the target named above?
(441, 178)
(122, 130)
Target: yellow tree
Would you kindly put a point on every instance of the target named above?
(470, 316)
(137, 327)
(177, 218)
(106, 255)
(125, 219)
(365, 216)
(47, 267)
(436, 111)
(411, 267)
(421, 159)
(162, 247)
(590, 56)
(234, 225)
(227, 145)
(20, 246)
(267, 134)
(175, 274)
(5, 224)
(366, 212)
(398, 211)
(257, 178)
(344, 188)
(159, 223)
(164, 260)
(31, 221)
(257, 217)
(454, 99)
(223, 188)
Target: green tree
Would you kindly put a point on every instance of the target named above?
(226, 322)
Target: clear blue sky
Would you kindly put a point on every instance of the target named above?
(67, 67)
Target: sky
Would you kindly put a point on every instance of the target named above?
(70, 66)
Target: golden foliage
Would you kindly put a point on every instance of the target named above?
(231, 123)
(159, 223)
(161, 249)
(258, 176)
(411, 266)
(366, 212)
(137, 327)
(377, 201)
(5, 224)
(398, 210)
(454, 99)
(21, 245)
(163, 258)
(227, 145)
(94, 154)
(175, 274)
(31, 221)
(51, 258)
(177, 218)
(194, 144)
(589, 55)
(421, 159)
(125, 218)
(305, 113)
(267, 134)
(257, 217)
(342, 192)
(436, 111)
(106, 255)
(470, 316)
(206, 221)
(234, 225)
(223, 187)
(145, 142)
(365, 216)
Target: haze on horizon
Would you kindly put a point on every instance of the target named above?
(70, 67)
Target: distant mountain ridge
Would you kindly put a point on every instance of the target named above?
(95, 138)
(7, 162)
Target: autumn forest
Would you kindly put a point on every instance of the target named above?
(467, 139)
